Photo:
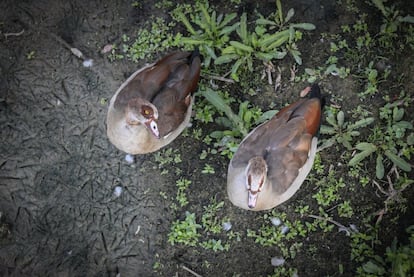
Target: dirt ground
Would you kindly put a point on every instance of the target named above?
(58, 170)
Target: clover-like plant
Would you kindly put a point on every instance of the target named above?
(249, 47)
(185, 231)
(396, 261)
(213, 33)
(149, 40)
(388, 141)
(237, 125)
(276, 20)
(260, 44)
(341, 131)
(392, 20)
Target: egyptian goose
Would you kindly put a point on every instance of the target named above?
(274, 159)
(153, 106)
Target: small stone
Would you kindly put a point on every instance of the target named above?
(276, 261)
(129, 158)
(276, 221)
(226, 226)
(354, 228)
(88, 63)
(118, 191)
(284, 230)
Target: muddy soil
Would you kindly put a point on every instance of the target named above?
(58, 171)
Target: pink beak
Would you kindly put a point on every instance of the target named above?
(252, 199)
(152, 126)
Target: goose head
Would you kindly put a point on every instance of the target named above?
(256, 172)
(140, 111)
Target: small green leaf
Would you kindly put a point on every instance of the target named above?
(247, 116)
(187, 24)
(331, 120)
(340, 117)
(407, 18)
(235, 68)
(269, 39)
(331, 69)
(310, 71)
(380, 5)
(241, 46)
(266, 116)
(361, 123)
(366, 146)
(226, 58)
(397, 114)
(229, 17)
(326, 130)
(402, 164)
(191, 41)
(277, 43)
(304, 26)
(264, 56)
(210, 51)
(242, 30)
(410, 139)
(228, 29)
(229, 50)
(359, 157)
(379, 168)
(264, 21)
(243, 108)
(402, 125)
(217, 134)
(371, 267)
(296, 56)
(289, 15)
(279, 55)
(346, 144)
(279, 11)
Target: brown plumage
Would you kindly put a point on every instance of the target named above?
(153, 106)
(274, 159)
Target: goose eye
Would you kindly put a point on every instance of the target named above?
(147, 112)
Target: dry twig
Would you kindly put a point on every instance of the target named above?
(192, 272)
(221, 78)
(341, 227)
(6, 35)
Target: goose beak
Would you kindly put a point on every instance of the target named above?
(153, 127)
(252, 199)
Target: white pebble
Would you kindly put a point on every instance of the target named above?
(276, 221)
(129, 158)
(88, 63)
(284, 230)
(277, 261)
(118, 191)
(354, 228)
(226, 226)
